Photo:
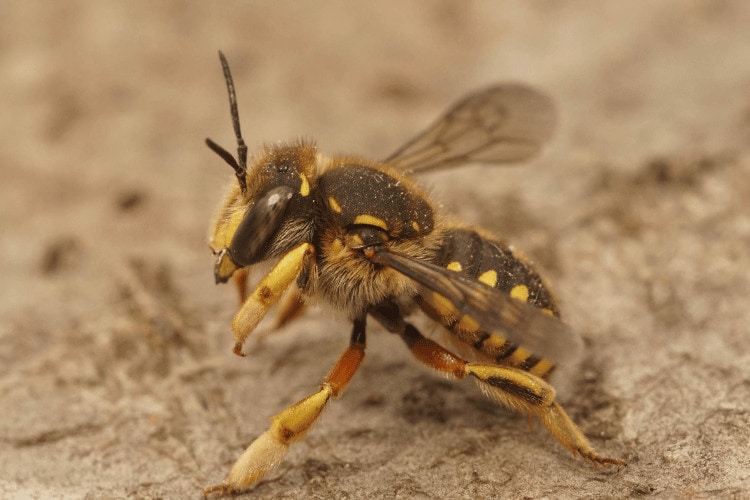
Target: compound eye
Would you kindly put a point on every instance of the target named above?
(253, 237)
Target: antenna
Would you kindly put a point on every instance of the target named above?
(240, 164)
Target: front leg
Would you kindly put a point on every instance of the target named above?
(291, 425)
(267, 293)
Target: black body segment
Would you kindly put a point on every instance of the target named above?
(361, 195)
(479, 257)
(494, 264)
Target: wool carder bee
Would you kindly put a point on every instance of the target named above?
(363, 237)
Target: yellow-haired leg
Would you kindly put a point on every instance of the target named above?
(291, 425)
(240, 277)
(267, 293)
(512, 387)
(291, 307)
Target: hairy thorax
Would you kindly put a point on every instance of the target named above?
(344, 278)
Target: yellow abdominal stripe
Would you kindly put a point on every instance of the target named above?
(495, 343)
(443, 306)
(542, 368)
(519, 356)
(489, 278)
(468, 324)
(520, 292)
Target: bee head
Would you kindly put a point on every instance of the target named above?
(252, 222)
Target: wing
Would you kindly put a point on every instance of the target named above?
(502, 124)
(519, 322)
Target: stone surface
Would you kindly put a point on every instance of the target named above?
(118, 378)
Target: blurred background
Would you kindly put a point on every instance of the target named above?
(118, 378)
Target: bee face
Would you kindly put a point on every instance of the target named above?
(360, 236)
(259, 222)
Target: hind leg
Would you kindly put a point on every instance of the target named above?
(512, 387)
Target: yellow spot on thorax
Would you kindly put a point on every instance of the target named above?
(371, 220)
(520, 292)
(489, 278)
(336, 246)
(334, 204)
(415, 225)
(304, 189)
(454, 266)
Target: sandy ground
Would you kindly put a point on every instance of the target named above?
(117, 374)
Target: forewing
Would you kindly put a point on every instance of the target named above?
(501, 124)
(519, 322)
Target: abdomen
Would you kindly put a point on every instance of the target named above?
(494, 264)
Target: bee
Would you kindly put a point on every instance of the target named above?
(361, 236)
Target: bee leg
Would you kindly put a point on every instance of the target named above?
(291, 307)
(512, 387)
(240, 277)
(291, 425)
(267, 293)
